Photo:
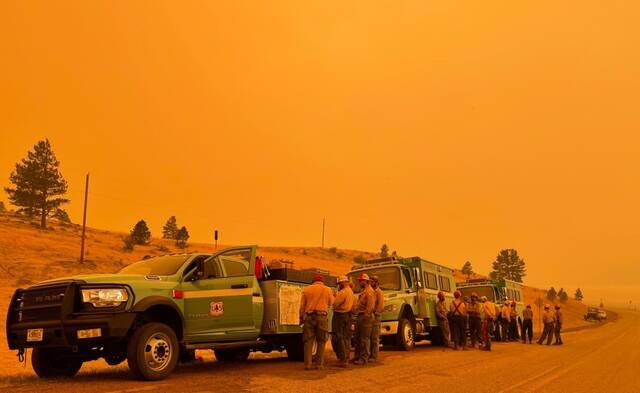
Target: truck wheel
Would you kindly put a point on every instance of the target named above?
(153, 351)
(54, 363)
(405, 337)
(234, 355)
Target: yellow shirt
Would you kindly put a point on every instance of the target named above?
(548, 316)
(344, 300)
(441, 309)
(474, 309)
(489, 309)
(366, 301)
(379, 300)
(506, 312)
(316, 298)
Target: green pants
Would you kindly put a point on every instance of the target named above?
(363, 337)
(375, 337)
(443, 324)
(341, 339)
(314, 330)
(547, 333)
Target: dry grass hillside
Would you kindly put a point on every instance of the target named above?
(29, 255)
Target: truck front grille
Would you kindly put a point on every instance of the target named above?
(38, 304)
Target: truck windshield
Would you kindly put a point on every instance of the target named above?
(481, 291)
(388, 277)
(159, 266)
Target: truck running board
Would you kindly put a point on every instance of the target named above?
(224, 345)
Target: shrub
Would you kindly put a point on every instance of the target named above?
(359, 259)
(333, 250)
(162, 248)
(129, 243)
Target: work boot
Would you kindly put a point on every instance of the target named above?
(359, 362)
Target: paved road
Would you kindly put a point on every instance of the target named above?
(602, 359)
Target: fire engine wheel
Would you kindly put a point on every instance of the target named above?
(232, 354)
(54, 363)
(405, 338)
(153, 351)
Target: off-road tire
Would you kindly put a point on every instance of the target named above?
(153, 344)
(405, 338)
(232, 355)
(54, 363)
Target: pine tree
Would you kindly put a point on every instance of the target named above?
(62, 216)
(140, 233)
(552, 294)
(181, 237)
(508, 265)
(384, 251)
(38, 184)
(578, 295)
(562, 295)
(170, 228)
(467, 269)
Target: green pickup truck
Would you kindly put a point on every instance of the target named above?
(156, 312)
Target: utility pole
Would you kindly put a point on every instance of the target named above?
(323, 222)
(84, 218)
(215, 238)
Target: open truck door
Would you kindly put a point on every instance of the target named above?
(219, 301)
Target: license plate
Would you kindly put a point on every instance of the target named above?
(35, 335)
(89, 333)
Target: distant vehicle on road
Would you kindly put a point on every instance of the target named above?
(595, 314)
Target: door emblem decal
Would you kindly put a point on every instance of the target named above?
(216, 308)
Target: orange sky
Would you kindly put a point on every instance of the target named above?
(448, 130)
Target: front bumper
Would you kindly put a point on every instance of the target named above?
(64, 333)
(388, 328)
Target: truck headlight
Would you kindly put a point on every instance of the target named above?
(105, 297)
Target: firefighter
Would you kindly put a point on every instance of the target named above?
(443, 320)
(497, 323)
(375, 330)
(458, 314)
(341, 321)
(490, 311)
(548, 320)
(364, 311)
(314, 306)
(527, 324)
(559, 319)
(505, 314)
(513, 325)
(474, 310)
